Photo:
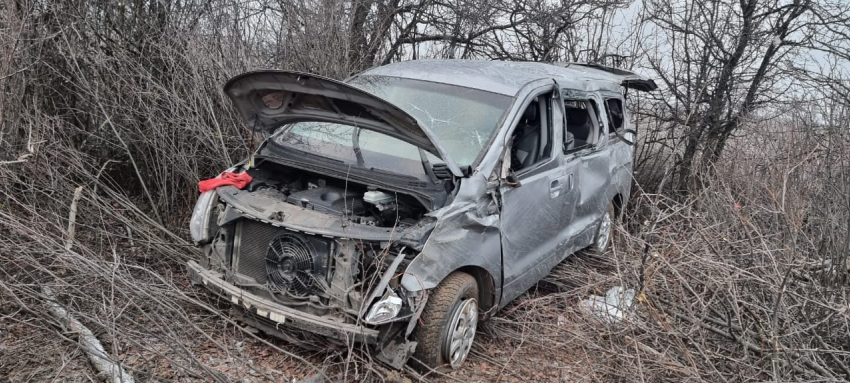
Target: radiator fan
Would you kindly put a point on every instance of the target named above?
(289, 265)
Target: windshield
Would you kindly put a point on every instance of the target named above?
(462, 119)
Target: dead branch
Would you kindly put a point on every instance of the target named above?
(103, 364)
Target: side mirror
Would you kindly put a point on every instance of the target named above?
(511, 180)
(569, 141)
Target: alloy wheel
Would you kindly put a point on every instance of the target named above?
(461, 333)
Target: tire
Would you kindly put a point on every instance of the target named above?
(454, 297)
(605, 228)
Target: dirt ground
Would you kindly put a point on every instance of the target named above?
(31, 352)
(31, 355)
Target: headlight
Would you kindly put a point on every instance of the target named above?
(385, 309)
(199, 225)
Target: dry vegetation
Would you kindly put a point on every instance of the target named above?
(744, 278)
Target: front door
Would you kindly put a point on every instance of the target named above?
(533, 231)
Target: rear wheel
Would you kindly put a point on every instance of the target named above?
(448, 323)
(602, 240)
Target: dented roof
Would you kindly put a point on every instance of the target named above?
(508, 77)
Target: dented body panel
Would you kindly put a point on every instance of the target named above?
(351, 253)
(468, 227)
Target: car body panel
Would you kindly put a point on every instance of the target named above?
(468, 228)
(270, 98)
(515, 235)
(508, 77)
(538, 202)
(621, 154)
(594, 195)
(625, 78)
(595, 185)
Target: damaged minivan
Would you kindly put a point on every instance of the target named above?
(402, 206)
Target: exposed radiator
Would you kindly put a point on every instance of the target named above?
(250, 259)
(253, 248)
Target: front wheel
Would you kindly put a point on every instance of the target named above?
(603, 232)
(448, 323)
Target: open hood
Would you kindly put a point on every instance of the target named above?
(628, 79)
(270, 98)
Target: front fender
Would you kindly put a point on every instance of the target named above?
(466, 234)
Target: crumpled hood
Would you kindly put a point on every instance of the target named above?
(270, 98)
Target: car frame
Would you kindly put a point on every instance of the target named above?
(548, 181)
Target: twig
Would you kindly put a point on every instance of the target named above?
(133, 162)
(72, 218)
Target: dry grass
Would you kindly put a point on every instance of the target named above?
(745, 281)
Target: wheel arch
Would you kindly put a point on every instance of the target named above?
(619, 204)
(487, 298)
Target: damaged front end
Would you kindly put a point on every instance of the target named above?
(330, 235)
(298, 253)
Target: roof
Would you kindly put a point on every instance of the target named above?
(505, 77)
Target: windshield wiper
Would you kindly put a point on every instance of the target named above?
(355, 144)
(427, 166)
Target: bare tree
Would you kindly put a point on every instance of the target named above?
(721, 62)
(746, 282)
(516, 30)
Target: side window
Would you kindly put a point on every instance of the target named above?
(531, 142)
(581, 125)
(616, 115)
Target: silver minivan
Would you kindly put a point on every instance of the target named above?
(403, 205)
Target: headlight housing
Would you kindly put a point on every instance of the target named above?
(385, 309)
(199, 225)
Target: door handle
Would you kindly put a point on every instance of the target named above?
(555, 187)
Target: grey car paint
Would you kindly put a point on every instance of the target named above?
(514, 236)
(594, 181)
(621, 156)
(299, 96)
(432, 264)
(470, 227)
(538, 203)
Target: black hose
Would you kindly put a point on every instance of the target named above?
(620, 136)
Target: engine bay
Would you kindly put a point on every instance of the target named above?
(324, 257)
(362, 204)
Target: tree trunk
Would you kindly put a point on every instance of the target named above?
(357, 41)
(386, 13)
(684, 168)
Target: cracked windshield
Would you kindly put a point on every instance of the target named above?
(461, 119)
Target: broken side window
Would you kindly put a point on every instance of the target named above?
(580, 129)
(615, 114)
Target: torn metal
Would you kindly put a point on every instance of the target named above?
(368, 193)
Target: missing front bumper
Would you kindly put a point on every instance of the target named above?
(281, 317)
